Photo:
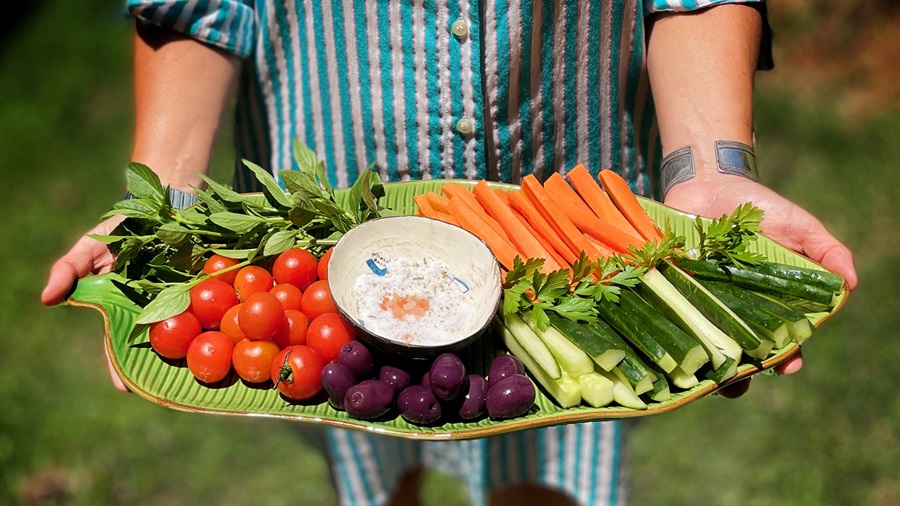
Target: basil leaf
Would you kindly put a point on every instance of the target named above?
(143, 183)
(207, 198)
(273, 189)
(223, 192)
(279, 242)
(238, 254)
(168, 303)
(305, 158)
(237, 223)
(172, 233)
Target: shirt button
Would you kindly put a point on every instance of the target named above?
(465, 126)
(460, 28)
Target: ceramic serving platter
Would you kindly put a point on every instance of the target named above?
(172, 385)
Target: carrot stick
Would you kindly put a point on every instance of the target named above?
(576, 210)
(597, 199)
(562, 262)
(520, 203)
(557, 219)
(438, 202)
(627, 202)
(503, 194)
(469, 220)
(423, 206)
(518, 234)
(451, 190)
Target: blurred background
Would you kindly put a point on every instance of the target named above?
(828, 126)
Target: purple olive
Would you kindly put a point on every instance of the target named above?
(398, 379)
(510, 397)
(474, 401)
(448, 376)
(426, 380)
(358, 358)
(503, 366)
(368, 399)
(336, 380)
(418, 405)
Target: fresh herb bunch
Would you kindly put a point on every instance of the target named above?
(574, 294)
(160, 250)
(728, 238)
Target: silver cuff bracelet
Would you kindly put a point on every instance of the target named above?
(735, 158)
(179, 199)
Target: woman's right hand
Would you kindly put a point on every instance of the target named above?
(87, 256)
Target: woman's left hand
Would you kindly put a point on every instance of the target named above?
(783, 222)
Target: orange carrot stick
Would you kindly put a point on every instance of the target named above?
(438, 202)
(503, 194)
(469, 220)
(576, 210)
(520, 202)
(599, 202)
(423, 206)
(518, 234)
(627, 202)
(562, 262)
(451, 190)
(557, 219)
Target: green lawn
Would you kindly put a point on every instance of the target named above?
(827, 436)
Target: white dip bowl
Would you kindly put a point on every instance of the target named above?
(372, 258)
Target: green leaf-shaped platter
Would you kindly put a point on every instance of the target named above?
(171, 385)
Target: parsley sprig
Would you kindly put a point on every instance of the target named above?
(728, 238)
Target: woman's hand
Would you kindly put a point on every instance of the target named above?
(784, 222)
(87, 256)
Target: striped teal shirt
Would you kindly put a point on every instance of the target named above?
(541, 85)
(493, 89)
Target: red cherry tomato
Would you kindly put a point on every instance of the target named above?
(317, 300)
(252, 279)
(209, 356)
(323, 264)
(260, 316)
(288, 294)
(292, 330)
(296, 372)
(295, 266)
(217, 263)
(210, 299)
(252, 360)
(230, 326)
(172, 336)
(327, 334)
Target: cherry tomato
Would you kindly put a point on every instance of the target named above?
(288, 294)
(327, 334)
(218, 262)
(292, 330)
(261, 316)
(210, 299)
(296, 372)
(295, 266)
(209, 356)
(252, 360)
(317, 300)
(172, 336)
(252, 279)
(230, 326)
(323, 264)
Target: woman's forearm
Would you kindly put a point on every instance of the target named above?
(701, 69)
(182, 90)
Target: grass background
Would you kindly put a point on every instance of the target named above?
(829, 138)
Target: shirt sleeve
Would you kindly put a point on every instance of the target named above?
(652, 6)
(227, 24)
(766, 62)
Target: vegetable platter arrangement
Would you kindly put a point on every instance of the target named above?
(612, 305)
